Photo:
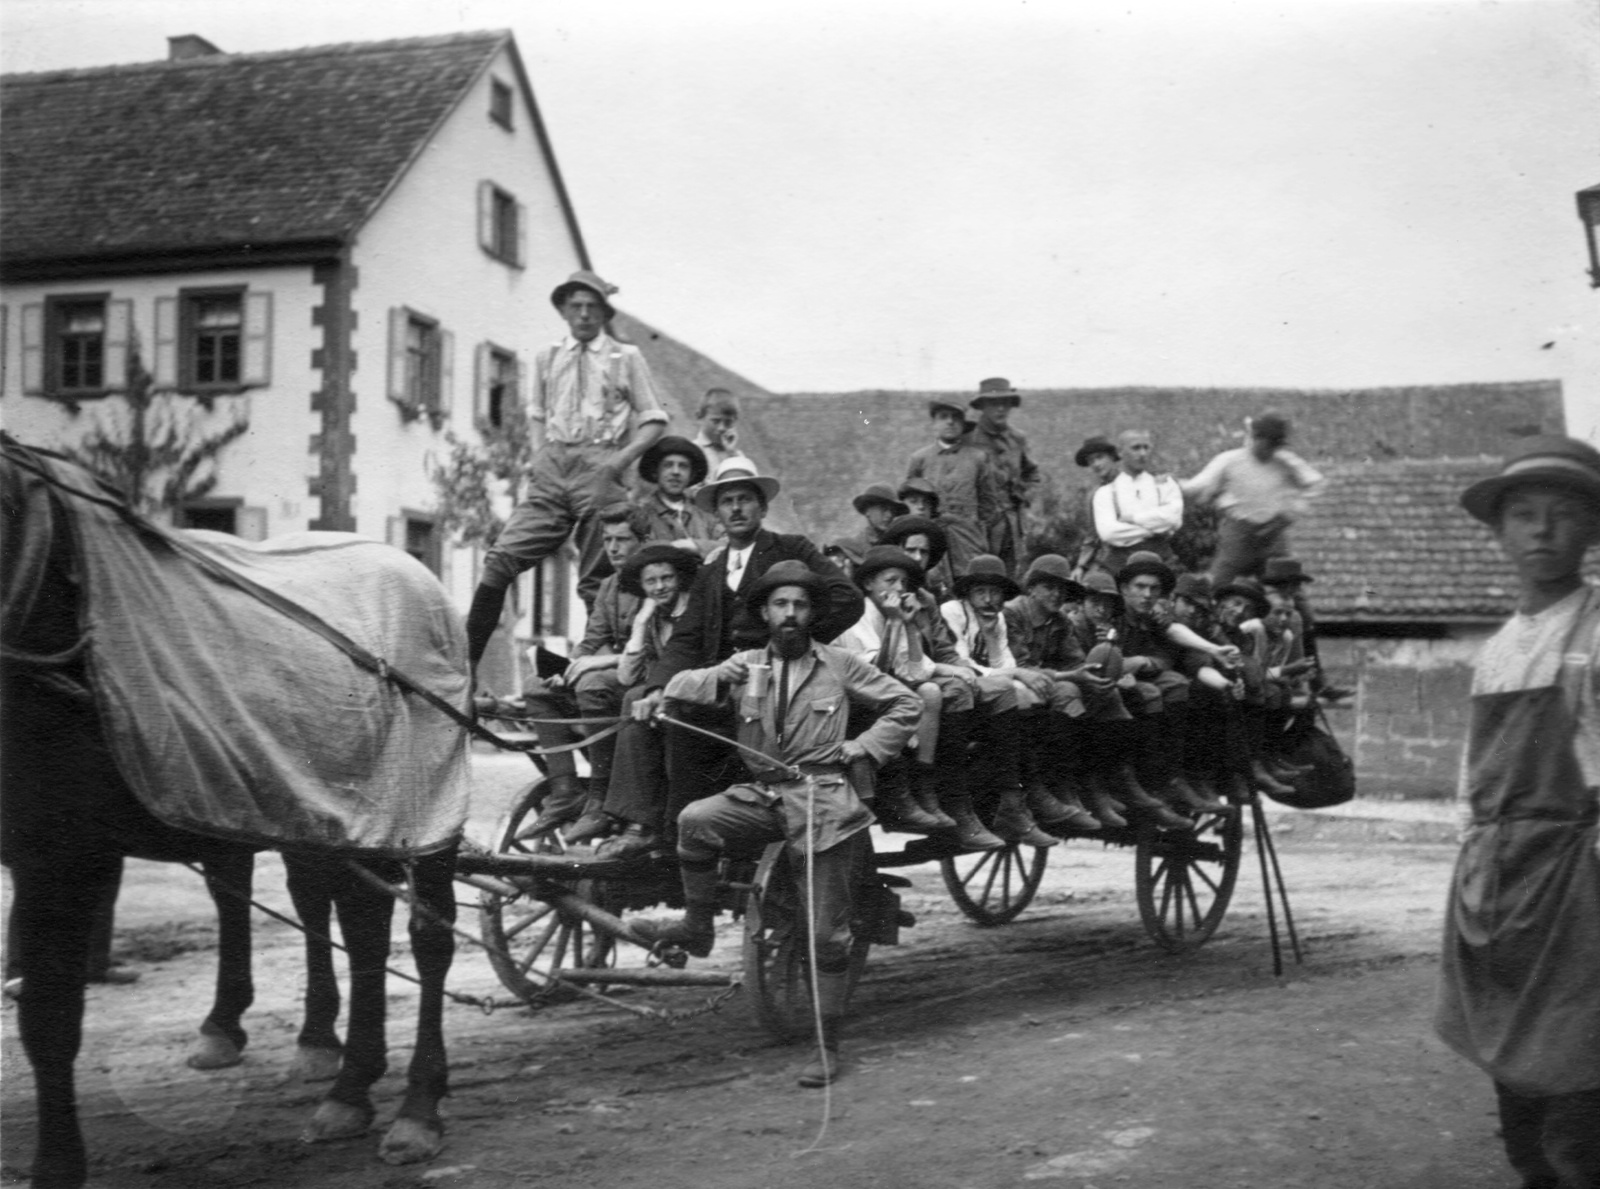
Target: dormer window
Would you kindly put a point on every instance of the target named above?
(500, 103)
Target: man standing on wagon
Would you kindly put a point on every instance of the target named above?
(1016, 475)
(594, 410)
(792, 734)
(1521, 960)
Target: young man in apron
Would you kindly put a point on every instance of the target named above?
(1520, 977)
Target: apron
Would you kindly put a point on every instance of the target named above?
(1520, 974)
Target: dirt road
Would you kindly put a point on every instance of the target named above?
(1063, 1048)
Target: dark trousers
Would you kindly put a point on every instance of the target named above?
(638, 791)
(1243, 548)
(1553, 1142)
(698, 767)
(566, 491)
(598, 695)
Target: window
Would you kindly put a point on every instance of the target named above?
(502, 222)
(500, 102)
(420, 364)
(418, 534)
(223, 515)
(80, 345)
(498, 379)
(213, 340)
(76, 346)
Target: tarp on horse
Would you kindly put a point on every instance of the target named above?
(228, 717)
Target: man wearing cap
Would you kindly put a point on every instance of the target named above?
(793, 788)
(1138, 509)
(846, 553)
(718, 436)
(1101, 456)
(718, 621)
(1258, 488)
(594, 411)
(921, 496)
(1286, 574)
(878, 506)
(1016, 476)
(675, 465)
(1521, 960)
(964, 479)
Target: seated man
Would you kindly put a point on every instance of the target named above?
(1242, 609)
(675, 465)
(924, 538)
(922, 498)
(793, 746)
(877, 506)
(589, 688)
(1289, 576)
(846, 553)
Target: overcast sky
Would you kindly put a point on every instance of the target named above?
(874, 194)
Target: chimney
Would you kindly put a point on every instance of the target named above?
(190, 45)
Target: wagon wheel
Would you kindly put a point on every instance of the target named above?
(1184, 879)
(529, 940)
(776, 971)
(992, 886)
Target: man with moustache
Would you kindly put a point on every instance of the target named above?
(795, 787)
(1138, 509)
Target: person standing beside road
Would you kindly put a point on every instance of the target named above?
(1138, 509)
(594, 411)
(1519, 991)
(1259, 488)
(1016, 475)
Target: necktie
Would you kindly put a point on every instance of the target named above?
(885, 660)
(980, 648)
(735, 568)
(783, 698)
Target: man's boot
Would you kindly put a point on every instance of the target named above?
(898, 810)
(1266, 782)
(1236, 788)
(1014, 823)
(925, 790)
(594, 823)
(1069, 797)
(563, 800)
(1131, 791)
(696, 932)
(1106, 808)
(954, 797)
(1188, 795)
(825, 1066)
(1041, 758)
(970, 832)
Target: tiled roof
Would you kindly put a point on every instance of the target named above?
(222, 150)
(1389, 541)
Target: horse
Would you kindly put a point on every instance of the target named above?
(93, 768)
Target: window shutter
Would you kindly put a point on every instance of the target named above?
(486, 216)
(119, 328)
(33, 349)
(397, 355)
(447, 370)
(396, 531)
(256, 358)
(165, 361)
(522, 236)
(480, 385)
(252, 523)
(520, 390)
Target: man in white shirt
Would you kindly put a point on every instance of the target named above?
(1138, 509)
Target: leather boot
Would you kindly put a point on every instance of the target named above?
(1266, 782)
(1131, 791)
(970, 832)
(1237, 789)
(925, 790)
(1014, 823)
(1188, 796)
(1046, 809)
(1069, 796)
(594, 823)
(563, 800)
(826, 1066)
(900, 811)
(696, 931)
(1106, 808)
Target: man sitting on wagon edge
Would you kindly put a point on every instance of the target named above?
(796, 755)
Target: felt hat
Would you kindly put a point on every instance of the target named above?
(650, 460)
(940, 405)
(631, 577)
(583, 279)
(787, 573)
(1545, 459)
(920, 486)
(903, 527)
(1270, 427)
(1284, 570)
(997, 388)
(1194, 587)
(852, 547)
(730, 473)
(1052, 567)
(1247, 588)
(1145, 562)
(1096, 445)
(986, 570)
(879, 493)
(886, 557)
(1098, 582)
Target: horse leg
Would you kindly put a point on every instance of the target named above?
(417, 1132)
(365, 914)
(318, 1050)
(229, 876)
(53, 909)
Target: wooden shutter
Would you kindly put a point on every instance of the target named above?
(33, 349)
(486, 216)
(251, 523)
(447, 370)
(119, 329)
(482, 358)
(521, 260)
(397, 355)
(395, 531)
(164, 360)
(255, 361)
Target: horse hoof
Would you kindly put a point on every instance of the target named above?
(315, 1065)
(214, 1052)
(409, 1141)
(335, 1120)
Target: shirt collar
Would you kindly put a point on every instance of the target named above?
(593, 346)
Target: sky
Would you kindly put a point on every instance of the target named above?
(827, 196)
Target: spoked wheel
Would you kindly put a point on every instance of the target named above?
(529, 940)
(777, 970)
(992, 886)
(1184, 879)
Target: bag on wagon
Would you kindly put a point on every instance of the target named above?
(1332, 778)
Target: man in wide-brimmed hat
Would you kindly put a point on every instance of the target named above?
(794, 786)
(1016, 475)
(925, 539)
(675, 466)
(1100, 455)
(594, 411)
(1259, 489)
(1522, 925)
(1289, 575)
(877, 505)
(963, 478)
(1138, 509)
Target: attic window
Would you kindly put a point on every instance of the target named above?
(500, 103)
(502, 224)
